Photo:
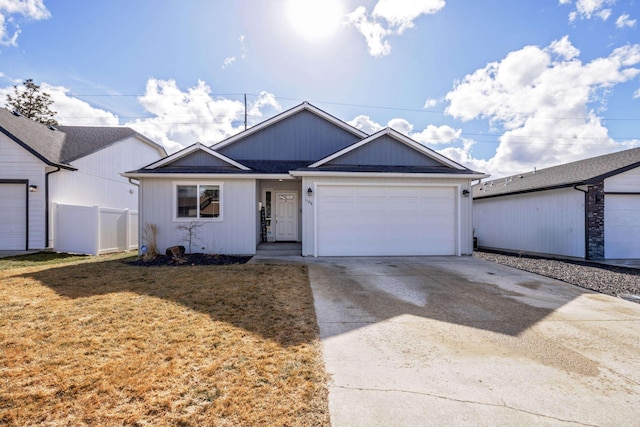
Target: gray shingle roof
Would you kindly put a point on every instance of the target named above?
(80, 141)
(575, 173)
(39, 139)
(60, 145)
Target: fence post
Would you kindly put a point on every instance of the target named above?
(54, 226)
(127, 230)
(98, 231)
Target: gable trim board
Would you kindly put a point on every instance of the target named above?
(398, 137)
(191, 149)
(411, 192)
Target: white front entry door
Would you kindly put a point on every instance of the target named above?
(287, 216)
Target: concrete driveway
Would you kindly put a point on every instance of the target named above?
(417, 341)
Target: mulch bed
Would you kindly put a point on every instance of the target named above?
(191, 260)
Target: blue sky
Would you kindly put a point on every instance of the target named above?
(501, 87)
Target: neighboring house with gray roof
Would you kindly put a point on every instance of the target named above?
(317, 180)
(41, 166)
(586, 209)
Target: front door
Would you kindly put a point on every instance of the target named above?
(287, 216)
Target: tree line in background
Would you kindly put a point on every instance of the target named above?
(30, 102)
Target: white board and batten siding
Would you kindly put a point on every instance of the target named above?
(97, 182)
(546, 222)
(232, 234)
(622, 215)
(16, 163)
(397, 217)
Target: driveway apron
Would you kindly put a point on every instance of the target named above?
(418, 341)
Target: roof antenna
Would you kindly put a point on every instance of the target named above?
(245, 111)
(534, 170)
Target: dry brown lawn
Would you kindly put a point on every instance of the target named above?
(99, 342)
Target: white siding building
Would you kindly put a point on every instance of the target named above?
(47, 170)
(588, 209)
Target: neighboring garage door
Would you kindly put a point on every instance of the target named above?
(386, 220)
(13, 217)
(622, 226)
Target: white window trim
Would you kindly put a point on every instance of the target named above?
(198, 183)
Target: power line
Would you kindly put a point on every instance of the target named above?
(342, 104)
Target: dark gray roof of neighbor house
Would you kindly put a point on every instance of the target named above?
(587, 171)
(59, 145)
(80, 141)
(42, 141)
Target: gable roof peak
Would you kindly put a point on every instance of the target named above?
(398, 136)
(304, 106)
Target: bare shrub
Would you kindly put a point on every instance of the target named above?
(149, 236)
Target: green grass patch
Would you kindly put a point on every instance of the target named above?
(45, 258)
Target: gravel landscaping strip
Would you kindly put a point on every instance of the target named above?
(611, 280)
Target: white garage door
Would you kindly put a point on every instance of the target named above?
(13, 217)
(386, 220)
(622, 226)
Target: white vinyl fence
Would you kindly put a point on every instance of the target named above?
(94, 230)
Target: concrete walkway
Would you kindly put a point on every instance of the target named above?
(419, 341)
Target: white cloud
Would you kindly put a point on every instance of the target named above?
(73, 111)
(70, 111)
(178, 118)
(625, 21)
(243, 47)
(228, 61)
(401, 125)
(365, 124)
(543, 100)
(430, 102)
(32, 9)
(181, 118)
(401, 13)
(373, 32)
(433, 135)
(604, 14)
(636, 94)
(389, 17)
(587, 9)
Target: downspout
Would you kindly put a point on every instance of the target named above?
(46, 205)
(586, 220)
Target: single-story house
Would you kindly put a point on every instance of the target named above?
(306, 176)
(44, 169)
(588, 209)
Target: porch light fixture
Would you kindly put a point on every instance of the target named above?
(310, 192)
(465, 192)
(33, 188)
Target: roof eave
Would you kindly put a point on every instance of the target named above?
(138, 175)
(389, 174)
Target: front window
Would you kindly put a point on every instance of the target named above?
(194, 201)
